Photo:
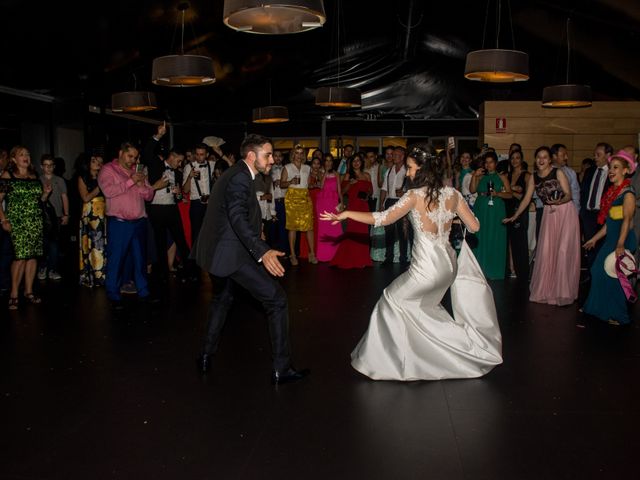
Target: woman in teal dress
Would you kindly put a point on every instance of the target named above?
(606, 299)
(23, 221)
(492, 189)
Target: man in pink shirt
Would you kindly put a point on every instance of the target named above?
(126, 190)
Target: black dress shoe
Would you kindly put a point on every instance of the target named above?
(149, 300)
(203, 363)
(117, 306)
(289, 375)
(387, 262)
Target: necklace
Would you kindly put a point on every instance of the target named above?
(608, 198)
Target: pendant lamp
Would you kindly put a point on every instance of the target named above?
(338, 96)
(271, 114)
(273, 17)
(133, 102)
(567, 95)
(497, 65)
(182, 70)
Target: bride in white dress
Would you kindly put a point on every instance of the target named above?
(411, 336)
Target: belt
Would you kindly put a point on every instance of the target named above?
(122, 220)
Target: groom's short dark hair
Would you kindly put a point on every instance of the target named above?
(251, 142)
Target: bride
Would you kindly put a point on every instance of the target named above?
(411, 336)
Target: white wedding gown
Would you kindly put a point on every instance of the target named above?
(411, 336)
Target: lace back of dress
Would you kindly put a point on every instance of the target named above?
(436, 221)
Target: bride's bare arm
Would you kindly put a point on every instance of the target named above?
(466, 215)
(387, 217)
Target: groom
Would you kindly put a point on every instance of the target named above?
(230, 248)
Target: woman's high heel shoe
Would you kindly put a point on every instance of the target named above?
(294, 260)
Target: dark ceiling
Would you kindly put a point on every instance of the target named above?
(89, 50)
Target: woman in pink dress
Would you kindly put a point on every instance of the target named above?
(556, 272)
(328, 199)
(353, 251)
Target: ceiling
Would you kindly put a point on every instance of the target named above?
(89, 50)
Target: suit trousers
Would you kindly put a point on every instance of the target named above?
(126, 237)
(253, 277)
(393, 232)
(166, 218)
(197, 209)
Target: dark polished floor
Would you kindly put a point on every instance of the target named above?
(88, 395)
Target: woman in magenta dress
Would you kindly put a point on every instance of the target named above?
(353, 251)
(556, 272)
(328, 199)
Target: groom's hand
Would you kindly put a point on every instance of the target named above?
(272, 264)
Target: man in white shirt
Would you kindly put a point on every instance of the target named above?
(280, 240)
(164, 215)
(198, 182)
(390, 193)
(594, 184)
(347, 153)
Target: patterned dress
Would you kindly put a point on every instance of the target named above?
(25, 215)
(93, 238)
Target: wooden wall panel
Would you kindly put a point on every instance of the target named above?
(530, 125)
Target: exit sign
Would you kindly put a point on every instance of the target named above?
(501, 125)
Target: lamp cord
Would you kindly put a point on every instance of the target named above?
(339, 52)
(513, 35)
(486, 20)
(182, 36)
(498, 18)
(568, 49)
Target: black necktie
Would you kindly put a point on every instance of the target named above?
(594, 190)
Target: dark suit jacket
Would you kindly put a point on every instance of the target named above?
(230, 234)
(586, 183)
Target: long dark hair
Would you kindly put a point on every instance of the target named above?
(352, 171)
(430, 174)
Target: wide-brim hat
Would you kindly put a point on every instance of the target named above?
(213, 141)
(627, 157)
(627, 264)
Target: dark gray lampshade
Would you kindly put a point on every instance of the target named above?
(127, 102)
(342, 97)
(273, 17)
(183, 71)
(271, 114)
(567, 96)
(497, 65)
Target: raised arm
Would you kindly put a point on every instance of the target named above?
(524, 203)
(466, 215)
(387, 217)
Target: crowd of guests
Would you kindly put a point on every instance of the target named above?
(140, 213)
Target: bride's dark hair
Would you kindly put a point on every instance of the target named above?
(430, 174)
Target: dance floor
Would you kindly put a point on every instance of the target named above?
(85, 394)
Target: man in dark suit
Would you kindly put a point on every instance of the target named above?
(231, 249)
(594, 184)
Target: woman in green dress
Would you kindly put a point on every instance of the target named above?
(492, 189)
(22, 219)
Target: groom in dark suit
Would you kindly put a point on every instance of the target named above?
(230, 248)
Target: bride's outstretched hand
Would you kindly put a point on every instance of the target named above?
(333, 217)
